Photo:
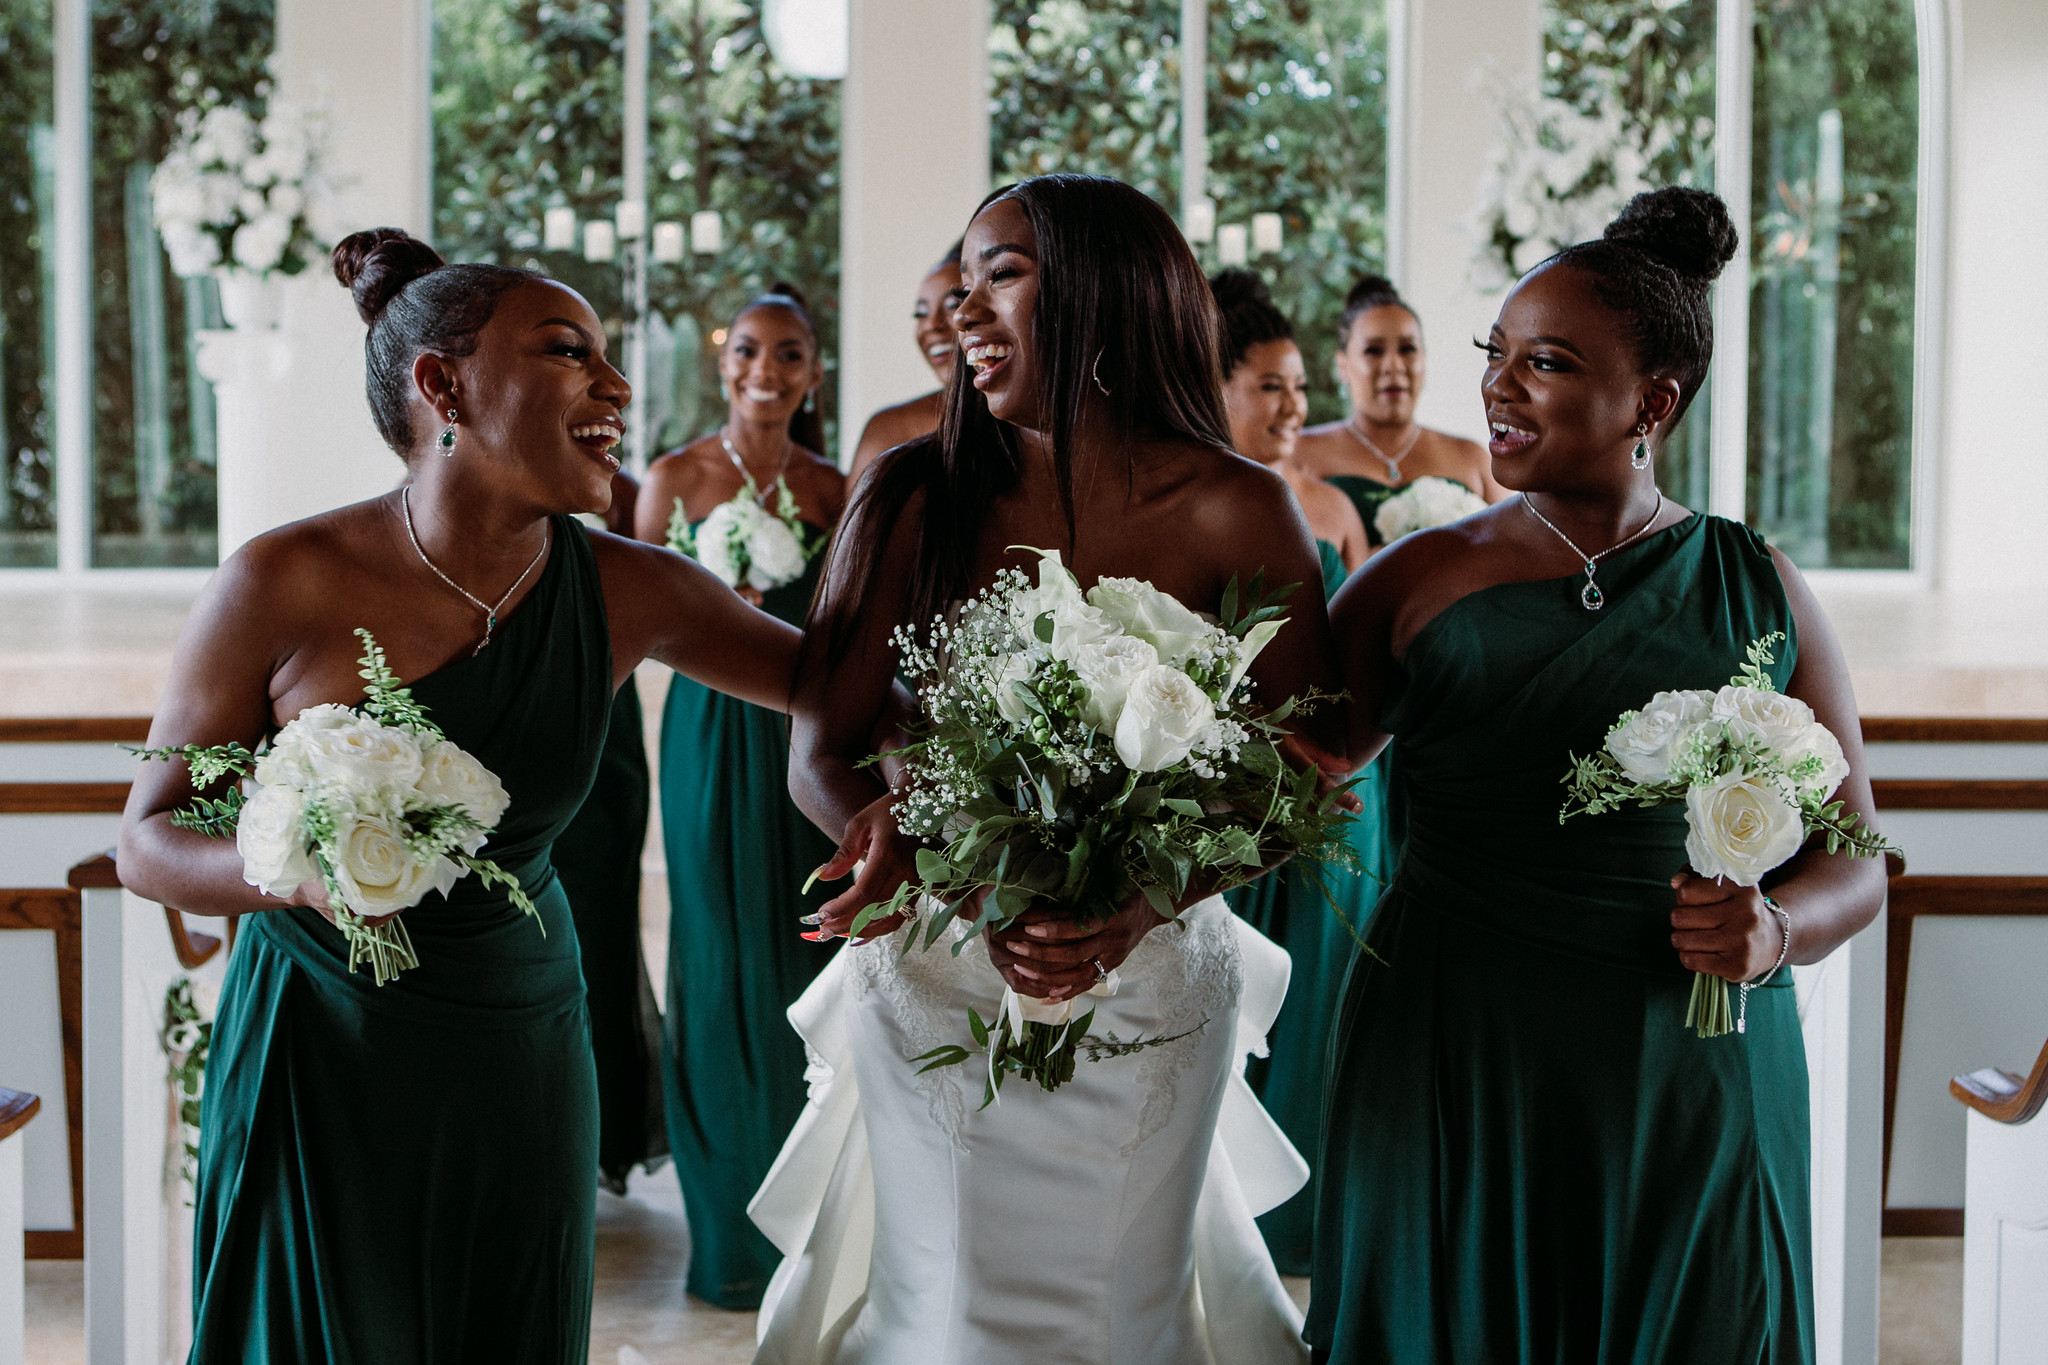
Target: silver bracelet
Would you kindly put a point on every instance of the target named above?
(1785, 951)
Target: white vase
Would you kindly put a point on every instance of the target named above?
(251, 302)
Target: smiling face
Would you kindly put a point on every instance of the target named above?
(1563, 388)
(999, 278)
(769, 365)
(537, 399)
(1382, 365)
(1267, 399)
(932, 317)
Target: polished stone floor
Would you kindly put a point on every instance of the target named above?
(643, 1317)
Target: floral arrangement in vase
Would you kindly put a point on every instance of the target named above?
(238, 192)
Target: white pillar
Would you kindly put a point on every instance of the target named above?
(13, 1310)
(310, 445)
(914, 162)
(1445, 59)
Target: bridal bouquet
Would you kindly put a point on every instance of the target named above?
(1080, 749)
(1755, 772)
(372, 800)
(743, 542)
(236, 191)
(1423, 505)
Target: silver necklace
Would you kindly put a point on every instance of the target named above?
(1392, 462)
(760, 493)
(490, 613)
(1590, 596)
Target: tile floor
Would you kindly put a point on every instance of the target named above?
(643, 1317)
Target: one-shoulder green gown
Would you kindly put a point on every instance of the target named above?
(1529, 1157)
(402, 1175)
(598, 857)
(739, 852)
(1290, 908)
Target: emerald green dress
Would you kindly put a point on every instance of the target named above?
(739, 852)
(1528, 1156)
(402, 1175)
(1368, 496)
(598, 857)
(1289, 907)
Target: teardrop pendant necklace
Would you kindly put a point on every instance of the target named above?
(490, 612)
(1590, 596)
(1392, 462)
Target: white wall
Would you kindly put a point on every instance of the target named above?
(368, 62)
(1993, 473)
(913, 164)
(1446, 59)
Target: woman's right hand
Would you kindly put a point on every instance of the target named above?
(313, 894)
(887, 859)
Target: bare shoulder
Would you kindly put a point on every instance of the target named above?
(300, 563)
(1319, 448)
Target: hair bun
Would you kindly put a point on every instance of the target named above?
(374, 265)
(1686, 229)
(784, 289)
(1235, 288)
(1371, 291)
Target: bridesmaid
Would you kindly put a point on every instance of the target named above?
(1528, 1155)
(931, 320)
(738, 849)
(1380, 448)
(598, 857)
(1264, 395)
(402, 1174)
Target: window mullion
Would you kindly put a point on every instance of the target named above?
(72, 364)
(1733, 85)
(1194, 106)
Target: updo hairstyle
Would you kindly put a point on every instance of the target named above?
(414, 302)
(1371, 291)
(1245, 306)
(1654, 266)
(806, 427)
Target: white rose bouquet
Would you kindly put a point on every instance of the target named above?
(1079, 749)
(372, 800)
(1755, 772)
(1423, 505)
(238, 192)
(745, 543)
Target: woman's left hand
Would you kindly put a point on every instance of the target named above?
(1724, 930)
(1053, 957)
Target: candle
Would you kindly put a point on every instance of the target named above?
(600, 243)
(668, 242)
(1265, 233)
(1201, 223)
(558, 229)
(1231, 242)
(631, 218)
(707, 233)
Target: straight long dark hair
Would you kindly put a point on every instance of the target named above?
(1122, 307)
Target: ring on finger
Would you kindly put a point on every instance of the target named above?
(1101, 972)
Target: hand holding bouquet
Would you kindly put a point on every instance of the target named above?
(1755, 771)
(1079, 751)
(371, 801)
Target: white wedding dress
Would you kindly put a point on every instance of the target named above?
(1109, 1223)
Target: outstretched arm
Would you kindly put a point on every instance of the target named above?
(667, 607)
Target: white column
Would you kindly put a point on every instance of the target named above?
(13, 1311)
(312, 446)
(72, 365)
(1194, 106)
(1446, 58)
(1728, 385)
(913, 164)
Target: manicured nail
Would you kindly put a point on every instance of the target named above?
(819, 937)
(1038, 930)
(1025, 972)
(818, 918)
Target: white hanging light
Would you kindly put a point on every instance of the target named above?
(558, 229)
(600, 242)
(707, 232)
(631, 219)
(668, 243)
(1232, 242)
(808, 37)
(1201, 220)
(1265, 233)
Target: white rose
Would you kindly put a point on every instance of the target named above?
(1648, 743)
(1108, 667)
(192, 252)
(1424, 504)
(1151, 615)
(1055, 585)
(377, 872)
(773, 555)
(286, 200)
(451, 776)
(260, 245)
(1740, 828)
(1820, 743)
(270, 836)
(1004, 670)
(1164, 714)
(365, 763)
(715, 544)
(231, 133)
(220, 190)
(1075, 626)
(288, 762)
(1751, 713)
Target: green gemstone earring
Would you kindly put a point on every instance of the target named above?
(1639, 458)
(448, 435)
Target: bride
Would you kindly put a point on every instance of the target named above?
(1112, 1221)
